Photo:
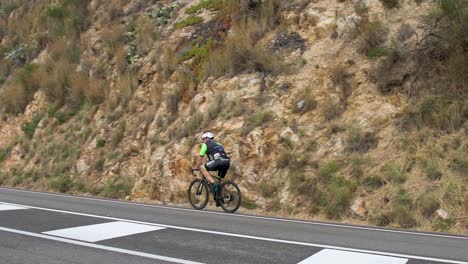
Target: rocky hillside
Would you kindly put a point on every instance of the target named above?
(348, 110)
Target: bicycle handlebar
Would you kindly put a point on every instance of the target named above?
(193, 171)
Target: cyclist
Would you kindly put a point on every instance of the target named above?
(218, 160)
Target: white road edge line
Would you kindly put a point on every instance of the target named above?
(251, 237)
(245, 216)
(91, 245)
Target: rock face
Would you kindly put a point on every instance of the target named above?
(359, 208)
(309, 136)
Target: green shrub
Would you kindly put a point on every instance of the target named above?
(378, 52)
(191, 20)
(5, 152)
(402, 210)
(443, 225)
(30, 127)
(327, 171)
(18, 179)
(60, 183)
(117, 187)
(56, 12)
(337, 197)
(257, 119)
(304, 102)
(434, 112)
(373, 182)
(283, 159)
(268, 190)
(100, 143)
(372, 34)
(199, 51)
(402, 199)
(459, 162)
(118, 134)
(358, 140)
(390, 3)
(298, 183)
(206, 4)
(465, 202)
(63, 116)
(431, 170)
(293, 160)
(428, 204)
(273, 206)
(394, 173)
(248, 204)
(403, 217)
(358, 165)
(361, 9)
(382, 219)
(99, 164)
(163, 14)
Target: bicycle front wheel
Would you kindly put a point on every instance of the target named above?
(198, 194)
(230, 197)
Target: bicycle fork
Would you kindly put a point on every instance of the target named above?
(200, 188)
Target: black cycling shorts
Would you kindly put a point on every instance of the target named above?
(220, 165)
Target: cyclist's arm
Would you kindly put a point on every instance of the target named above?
(203, 150)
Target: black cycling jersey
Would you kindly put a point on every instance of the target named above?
(214, 151)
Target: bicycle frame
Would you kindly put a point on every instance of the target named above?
(204, 180)
(225, 197)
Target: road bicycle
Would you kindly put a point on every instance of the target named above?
(229, 197)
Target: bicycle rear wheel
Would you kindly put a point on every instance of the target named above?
(198, 194)
(230, 197)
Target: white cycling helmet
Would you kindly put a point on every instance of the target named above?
(208, 134)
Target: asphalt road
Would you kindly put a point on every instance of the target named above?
(52, 228)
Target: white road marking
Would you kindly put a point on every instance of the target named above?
(7, 207)
(91, 245)
(255, 237)
(328, 256)
(98, 232)
(247, 216)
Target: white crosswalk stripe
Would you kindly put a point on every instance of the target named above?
(328, 256)
(98, 232)
(6, 207)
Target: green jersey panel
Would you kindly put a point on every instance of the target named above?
(203, 150)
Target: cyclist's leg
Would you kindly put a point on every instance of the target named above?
(209, 166)
(212, 166)
(223, 168)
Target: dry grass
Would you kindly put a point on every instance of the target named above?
(304, 102)
(82, 88)
(437, 112)
(240, 54)
(330, 109)
(126, 84)
(56, 84)
(13, 98)
(265, 13)
(146, 34)
(371, 34)
(113, 38)
(168, 62)
(389, 4)
(358, 140)
(395, 173)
